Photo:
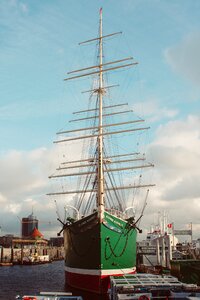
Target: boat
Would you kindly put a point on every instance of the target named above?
(156, 251)
(50, 296)
(36, 259)
(100, 226)
(151, 286)
(6, 264)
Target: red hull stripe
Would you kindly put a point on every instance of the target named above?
(90, 283)
(100, 272)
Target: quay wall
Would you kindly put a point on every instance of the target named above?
(16, 255)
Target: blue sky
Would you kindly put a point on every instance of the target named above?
(39, 44)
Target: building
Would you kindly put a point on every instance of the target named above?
(56, 241)
(28, 225)
(6, 240)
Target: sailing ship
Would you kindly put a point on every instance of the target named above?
(100, 229)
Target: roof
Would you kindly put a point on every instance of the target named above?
(36, 233)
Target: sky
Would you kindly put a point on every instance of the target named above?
(39, 45)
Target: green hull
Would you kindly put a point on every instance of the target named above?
(91, 245)
(118, 243)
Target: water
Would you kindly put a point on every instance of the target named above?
(21, 280)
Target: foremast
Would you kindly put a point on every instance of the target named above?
(100, 190)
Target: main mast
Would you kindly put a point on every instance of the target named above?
(99, 188)
(100, 193)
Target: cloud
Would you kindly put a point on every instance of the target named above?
(2, 199)
(22, 171)
(23, 185)
(155, 110)
(23, 7)
(13, 208)
(176, 174)
(180, 133)
(184, 57)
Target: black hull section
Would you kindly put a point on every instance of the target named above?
(82, 241)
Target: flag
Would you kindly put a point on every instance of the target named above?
(169, 225)
(100, 11)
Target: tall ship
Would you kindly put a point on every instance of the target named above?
(100, 185)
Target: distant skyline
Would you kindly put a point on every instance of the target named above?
(39, 45)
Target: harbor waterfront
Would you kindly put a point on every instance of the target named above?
(30, 255)
(109, 208)
(21, 280)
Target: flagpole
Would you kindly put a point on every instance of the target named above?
(173, 234)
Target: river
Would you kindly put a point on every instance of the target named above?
(21, 280)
